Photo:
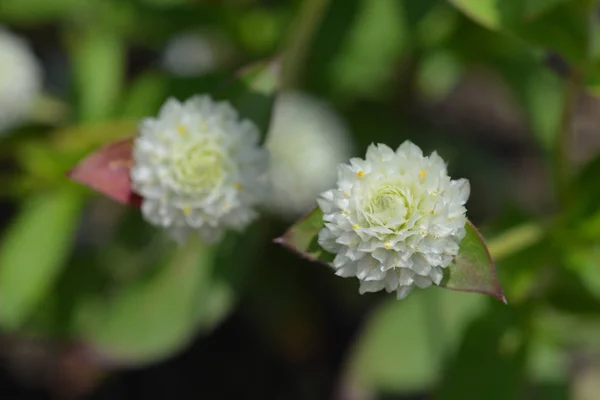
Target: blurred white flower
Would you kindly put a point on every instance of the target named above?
(199, 168)
(189, 54)
(395, 219)
(20, 79)
(307, 140)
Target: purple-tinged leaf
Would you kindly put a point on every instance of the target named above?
(473, 268)
(107, 171)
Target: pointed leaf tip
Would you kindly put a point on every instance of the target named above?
(302, 238)
(107, 171)
(473, 269)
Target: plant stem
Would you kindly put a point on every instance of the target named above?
(303, 29)
(561, 157)
(514, 240)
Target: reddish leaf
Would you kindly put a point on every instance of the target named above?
(107, 171)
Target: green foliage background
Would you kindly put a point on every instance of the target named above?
(501, 88)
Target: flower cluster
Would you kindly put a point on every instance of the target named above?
(395, 219)
(198, 167)
(20, 80)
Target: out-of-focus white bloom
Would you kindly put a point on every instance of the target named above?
(307, 140)
(199, 168)
(189, 54)
(20, 79)
(395, 220)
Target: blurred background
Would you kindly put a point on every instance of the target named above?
(93, 304)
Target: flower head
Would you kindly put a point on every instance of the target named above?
(20, 79)
(395, 219)
(306, 140)
(199, 168)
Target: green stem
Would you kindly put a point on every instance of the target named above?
(514, 240)
(304, 27)
(561, 157)
(50, 110)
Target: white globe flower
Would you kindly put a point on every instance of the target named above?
(198, 167)
(395, 220)
(306, 140)
(20, 80)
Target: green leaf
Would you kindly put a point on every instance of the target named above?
(152, 318)
(368, 56)
(99, 65)
(571, 294)
(535, 8)
(253, 92)
(585, 262)
(302, 238)
(403, 344)
(145, 95)
(472, 270)
(440, 72)
(586, 192)
(36, 11)
(490, 361)
(561, 28)
(540, 92)
(78, 140)
(34, 251)
(547, 361)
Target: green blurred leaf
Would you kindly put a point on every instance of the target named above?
(490, 362)
(541, 93)
(376, 42)
(398, 350)
(585, 262)
(435, 26)
(572, 295)
(472, 270)
(145, 95)
(535, 8)
(34, 250)
(547, 361)
(99, 65)
(253, 92)
(36, 11)
(76, 141)
(590, 227)
(439, 73)
(524, 273)
(561, 28)
(152, 318)
(568, 330)
(39, 160)
(585, 192)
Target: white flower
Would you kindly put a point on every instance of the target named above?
(199, 168)
(20, 80)
(306, 140)
(189, 54)
(395, 220)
